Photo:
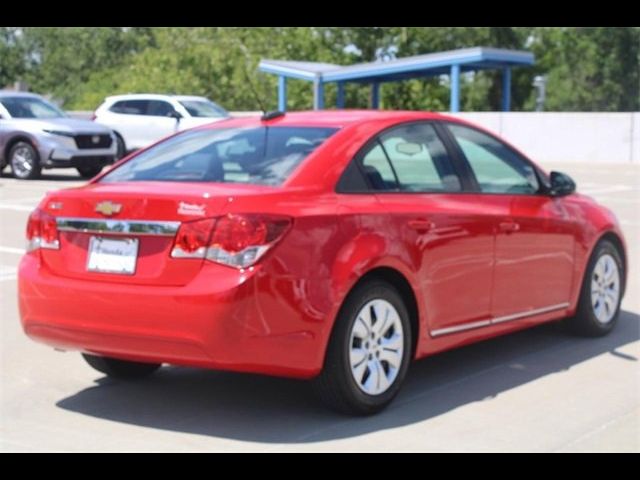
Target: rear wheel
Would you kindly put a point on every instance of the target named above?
(369, 351)
(601, 293)
(89, 172)
(121, 369)
(24, 161)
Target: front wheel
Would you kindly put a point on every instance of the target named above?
(368, 353)
(121, 369)
(601, 293)
(24, 161)
(89, 172)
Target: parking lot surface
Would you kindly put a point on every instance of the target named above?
(537, 390)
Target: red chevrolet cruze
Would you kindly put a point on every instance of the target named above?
(335, 246)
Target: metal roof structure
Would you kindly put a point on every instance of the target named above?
(452, 62)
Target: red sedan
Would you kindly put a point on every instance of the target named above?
(335, 246)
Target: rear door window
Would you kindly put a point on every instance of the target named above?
(130, 107)
(409, 158)
(158, 108)
(419, 159)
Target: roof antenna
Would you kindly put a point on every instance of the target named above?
(254, 92)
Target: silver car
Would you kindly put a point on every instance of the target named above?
(34, 134)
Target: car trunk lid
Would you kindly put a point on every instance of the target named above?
(131, 219)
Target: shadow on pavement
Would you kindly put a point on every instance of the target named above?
(271, 410)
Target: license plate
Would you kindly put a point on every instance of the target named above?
(109, 255)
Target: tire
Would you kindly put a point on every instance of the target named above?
(599, 304)
(121, 369)
(89, 172)
(24, 161)
(121, 149)
(360, 390)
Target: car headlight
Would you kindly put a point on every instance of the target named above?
(58, 132)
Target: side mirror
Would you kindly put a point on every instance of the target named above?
(561, 184)
(175, 114)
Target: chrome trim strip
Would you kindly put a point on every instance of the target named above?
(529, 313)
(460, 328)
(494, 321)
(117, 227)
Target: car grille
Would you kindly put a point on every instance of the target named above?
(93, 141)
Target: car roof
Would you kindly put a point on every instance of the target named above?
(12, 93)
(332, 118)
(152, 96)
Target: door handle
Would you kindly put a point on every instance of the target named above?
(509, 226)
(420, 225)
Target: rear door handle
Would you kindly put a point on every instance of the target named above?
(509, 226)
(420, 225)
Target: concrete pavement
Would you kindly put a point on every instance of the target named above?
(538, 390)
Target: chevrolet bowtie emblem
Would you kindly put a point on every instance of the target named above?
(108, 208)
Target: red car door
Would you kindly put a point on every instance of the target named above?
(534, 243)
(440, 232)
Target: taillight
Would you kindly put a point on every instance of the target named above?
(192, 239)
(42, 231)
(235, 240)
(93, 116)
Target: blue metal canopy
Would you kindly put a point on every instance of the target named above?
(452, 62)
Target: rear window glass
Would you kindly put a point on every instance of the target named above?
(262, 156)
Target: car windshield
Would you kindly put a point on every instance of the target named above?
(30, 107)
(203, 108)
(261, 156)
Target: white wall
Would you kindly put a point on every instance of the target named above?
(567, 136)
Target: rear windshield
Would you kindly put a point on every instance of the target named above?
(261, 156)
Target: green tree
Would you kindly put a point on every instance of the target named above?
(59, 60)
(590, 68)
(593, 68)
(11, 55)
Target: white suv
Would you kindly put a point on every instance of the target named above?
(142, 119)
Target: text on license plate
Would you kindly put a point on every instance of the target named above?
(112, 255)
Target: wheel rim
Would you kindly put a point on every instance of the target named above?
(376, 347)
(605, 288)
(22, 161)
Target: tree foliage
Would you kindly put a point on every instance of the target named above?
(589, 68)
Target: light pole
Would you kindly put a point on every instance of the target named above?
(540, 82)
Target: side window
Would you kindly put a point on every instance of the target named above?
(130, 107)
(419, 159)
(497, 168)
(377, 169)
(352, 180)
(158, 108)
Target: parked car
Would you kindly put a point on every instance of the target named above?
(142, 119)
(332, 246)
(35, 134)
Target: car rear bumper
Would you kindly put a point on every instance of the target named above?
(222, 319)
